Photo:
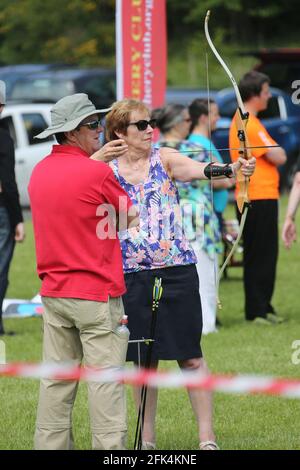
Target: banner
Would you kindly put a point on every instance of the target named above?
(141, 50)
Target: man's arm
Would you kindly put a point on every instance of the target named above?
(126, 212)
(277, 156)
(289, 233)
(110, 151)
(133, 219)
(9, 190)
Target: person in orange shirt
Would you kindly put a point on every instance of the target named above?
(260, 236)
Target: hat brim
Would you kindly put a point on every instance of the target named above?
(69, 126)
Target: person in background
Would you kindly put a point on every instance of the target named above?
(260, 236)
(160, 249)
(173, 121)
(80, 264)
(289, 232)
(204, 115)
(11, 219)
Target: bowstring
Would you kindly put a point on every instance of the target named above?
(222, 149)
(211, 162)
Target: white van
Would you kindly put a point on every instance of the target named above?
(23, 122)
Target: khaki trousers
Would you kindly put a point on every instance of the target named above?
(76, 330)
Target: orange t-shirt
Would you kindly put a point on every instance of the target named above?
(264, 183)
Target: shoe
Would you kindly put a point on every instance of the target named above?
(262, 321)
(208, 332)
(3, 332)
(208, 445)
(148, 445)
(7, 333)
(274, 318)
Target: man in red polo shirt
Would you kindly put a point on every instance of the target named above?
(75, 201)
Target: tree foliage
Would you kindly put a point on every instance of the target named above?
(72, 31)
(244, 21)
(83, 31)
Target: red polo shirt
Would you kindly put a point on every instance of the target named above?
(75, 256)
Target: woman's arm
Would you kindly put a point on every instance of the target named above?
(185, 169)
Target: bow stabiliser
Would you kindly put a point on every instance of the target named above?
(157, 293)
(241, 118)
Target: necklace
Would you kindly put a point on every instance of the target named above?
(137, 167)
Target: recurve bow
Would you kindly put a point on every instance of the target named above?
(241, 118)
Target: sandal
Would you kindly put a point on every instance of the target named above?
(148, 445)
(208, 445)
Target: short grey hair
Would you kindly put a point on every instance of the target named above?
(168, 116)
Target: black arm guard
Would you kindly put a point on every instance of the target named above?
(213, 171)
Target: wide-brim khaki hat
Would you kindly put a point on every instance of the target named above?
(2, 92)
(68, 113)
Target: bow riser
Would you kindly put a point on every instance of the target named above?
(242, 197)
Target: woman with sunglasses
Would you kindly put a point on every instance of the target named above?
(159, 248)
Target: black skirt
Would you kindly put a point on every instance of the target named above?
(179, 317)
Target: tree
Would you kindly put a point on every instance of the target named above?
(71, 31)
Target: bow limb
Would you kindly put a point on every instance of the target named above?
(233, 248)
(241, 118)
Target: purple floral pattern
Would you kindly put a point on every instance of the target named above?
(160, 242)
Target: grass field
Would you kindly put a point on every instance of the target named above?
(241, 421)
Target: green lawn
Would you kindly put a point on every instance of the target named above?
(241, 421)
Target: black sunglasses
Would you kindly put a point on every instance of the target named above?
(92, 125)
(143, 124)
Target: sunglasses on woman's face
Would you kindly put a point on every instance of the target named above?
(143, 124)
(93, 125)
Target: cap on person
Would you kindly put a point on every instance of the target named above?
(68, 113)
(2, 92)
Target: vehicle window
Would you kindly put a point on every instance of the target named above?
(100, 88)
(282, 75)
(228, 108)
(34, 124)
(42, 89)
(272, 110)
(8, 124)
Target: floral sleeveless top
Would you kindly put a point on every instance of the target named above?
(204, 223)
(160, 241)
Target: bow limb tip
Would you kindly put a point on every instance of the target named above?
(240, 203)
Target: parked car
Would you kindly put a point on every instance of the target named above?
(98, 83)
(24, 121)
(11, 73)
(281, 119)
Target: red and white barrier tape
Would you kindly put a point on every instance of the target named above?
(288, 388)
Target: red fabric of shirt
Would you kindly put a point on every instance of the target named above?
(67, 190)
